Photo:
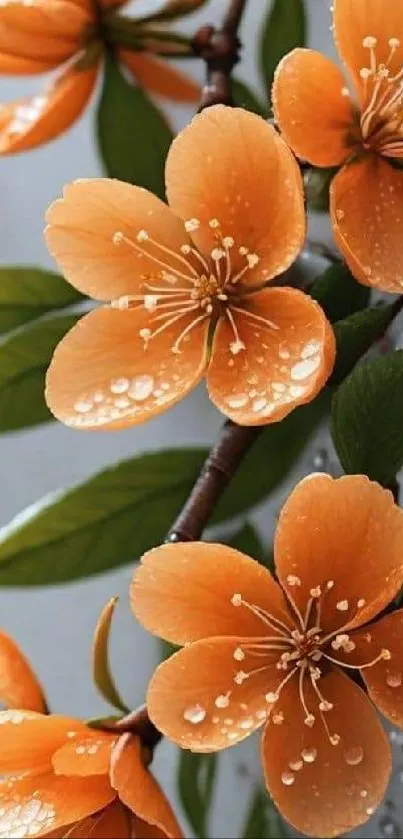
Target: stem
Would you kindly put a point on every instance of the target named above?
(220, 466)
(219, 48)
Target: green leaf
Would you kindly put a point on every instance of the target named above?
(247, 541)
(125, 510)
(284, 29)
(133, 135)
(338, 293)
(367, 419)
(26, 293)
(244, 97)
(24, 358)
(101, 670)
(196, 776)
(356, 334)
(263, 820)
(317, 183)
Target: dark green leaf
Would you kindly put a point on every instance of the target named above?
(263, 821)
(244, 97)
(283, 30)
(24, 358)
(134, 137)
(338, 293)
(101, 669)
(26, 293)
(122, 512)
(367, 419)
(247, 541)
(196, 777)
(356, 334)
(317, 183)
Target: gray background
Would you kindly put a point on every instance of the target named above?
(54, 625)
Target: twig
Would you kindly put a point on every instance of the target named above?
(219, 48)
(220, 466)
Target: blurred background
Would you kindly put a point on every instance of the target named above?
(54, 625)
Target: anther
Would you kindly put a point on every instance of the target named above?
(240, 677)
(236, 599)
(214, 223)
(309, 720)
(394, 43)
(117, 237)
(370, 42)
(142, 236)
(316, 592)
(192, 224)
(292, 580)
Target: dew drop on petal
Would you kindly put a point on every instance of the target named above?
(141, 388)
(354, 755)
(303, 369)
(237, 401)
(288, 779)
(195, 714)
(308, 755)
(120, 385)
(394, 680)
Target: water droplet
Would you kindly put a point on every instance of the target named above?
(288, 778)
(246, 724)
(296, 391)
(195, 714)
(394, 680)
(141, 388)
(237, 401)
(259, 404)
(296, 765)
(120, 385)
(222, 701)
(309, 755)
(354, 755)
(303, 369)
(82, 407)
(310, 349)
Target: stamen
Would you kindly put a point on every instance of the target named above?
(119, 237)
(169, 322)
(252, 316)
(384, 655)
(265, 617)
(273, 696)
(189, 328)
(309, 718)
(237, 345)
(324, 705)
(294, 607)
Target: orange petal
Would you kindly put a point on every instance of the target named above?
(143, 830)
(384, 680)
(35, 121)
(157, 76)
(348, 532)
(356, 20)
(138, 789)
(183, 592)
(301, 77)
(81, 230)
(47, 31)
(88, 754)
(230, 171)
(46, 802)
(19, 687)
(101, 375)
(28, 739)
(205, 699)
(324, 789)
(13, 65)
(366, 204)
(111, 823)
(286, 354)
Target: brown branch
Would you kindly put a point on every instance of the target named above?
(220, 466)
(219, 48)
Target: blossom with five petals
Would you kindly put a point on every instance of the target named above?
(324, 125)
(70, 780)
(186, 284)
(41, 35)
(259, 652)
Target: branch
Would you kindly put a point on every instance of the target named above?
(220, 466)
(219, 48)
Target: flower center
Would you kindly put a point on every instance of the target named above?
(186, 285)
(303, 651)
(382, 113)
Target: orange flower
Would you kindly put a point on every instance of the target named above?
(40, 36)
(326, 127)
(72, 780)
(19, 686)
(238, 188)
(258, 652)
